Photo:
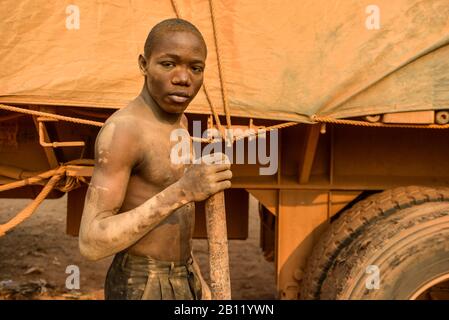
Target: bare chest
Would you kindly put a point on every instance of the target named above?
(158, 166)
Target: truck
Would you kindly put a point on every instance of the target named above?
(350, 99)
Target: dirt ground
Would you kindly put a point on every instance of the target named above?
(34, 257)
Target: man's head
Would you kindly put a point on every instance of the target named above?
(173, 64)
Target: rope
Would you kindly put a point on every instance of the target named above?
(100, 124)
(248, 134)
(220, 66)
(71, 183)
(267, 129)
(214, 112)
(31, 208)
(55, 175)
(175, 8)
(378, 124)
(33, 180)
(51, 115)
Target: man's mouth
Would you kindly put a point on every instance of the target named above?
(179, 97)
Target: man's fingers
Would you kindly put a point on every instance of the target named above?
(221, 167)
(224, 175)
(215, 158)
(223, 185)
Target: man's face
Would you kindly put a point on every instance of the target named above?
(175, 70)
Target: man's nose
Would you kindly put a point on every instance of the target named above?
(181, 77)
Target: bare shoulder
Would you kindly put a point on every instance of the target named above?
(120, 126)
(118, 140)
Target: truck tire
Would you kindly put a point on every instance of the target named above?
(406, 251)
(349, 229)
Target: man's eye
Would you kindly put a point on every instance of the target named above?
(197, 69)
(167, 64)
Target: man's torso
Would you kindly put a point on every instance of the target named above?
(154, 171)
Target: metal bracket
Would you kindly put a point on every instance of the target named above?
(44, 143)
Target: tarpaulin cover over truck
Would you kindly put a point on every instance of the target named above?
(284, 60)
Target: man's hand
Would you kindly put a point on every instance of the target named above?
(211, 175)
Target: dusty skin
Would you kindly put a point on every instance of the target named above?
(138, 200)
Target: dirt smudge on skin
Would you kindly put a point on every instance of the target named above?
(107, 140)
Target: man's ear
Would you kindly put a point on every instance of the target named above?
(142, 64)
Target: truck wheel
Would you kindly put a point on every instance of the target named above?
(397, 258)
(348, 233)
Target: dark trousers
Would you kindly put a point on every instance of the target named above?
(133, 277)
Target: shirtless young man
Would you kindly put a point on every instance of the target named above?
(140, 206)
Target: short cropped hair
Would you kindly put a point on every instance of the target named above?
(170, 25)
